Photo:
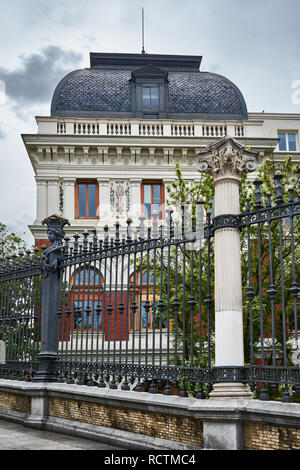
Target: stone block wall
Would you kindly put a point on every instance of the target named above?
(15, 402)
(152, 421)
(269, 437)
(174, 428)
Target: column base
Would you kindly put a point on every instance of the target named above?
(230, 390)
(47, 369)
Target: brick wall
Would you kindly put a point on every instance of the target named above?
(15, 402)
(180, 429)
(40, 242)
(269, 437)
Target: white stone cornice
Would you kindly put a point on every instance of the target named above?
(103, 180)
(119, 152)
(54, 152)
(41, 180)
(40, 152)
(198, 150)
(134, 182)
(68, 148)
(69, 181)
(102, 150)
(102, 153)
(48, 153)
(168, 156)
(135, 154)
(69, 151)
(168, 152)
(53, 181)
(86, 150)
(135, 150)
(184, 152)
(168, 180)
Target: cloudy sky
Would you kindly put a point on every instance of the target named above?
(254, 43)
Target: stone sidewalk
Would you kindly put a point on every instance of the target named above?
(17, 437)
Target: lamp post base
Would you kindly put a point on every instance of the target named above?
(47, 370)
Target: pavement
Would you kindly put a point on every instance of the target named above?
(17, 437)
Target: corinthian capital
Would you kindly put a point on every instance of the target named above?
(226, 158)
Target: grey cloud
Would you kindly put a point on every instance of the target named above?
(2, 134)
(35, 80)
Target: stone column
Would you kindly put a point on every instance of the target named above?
(226, 160)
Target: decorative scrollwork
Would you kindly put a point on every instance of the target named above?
(226, 158)
(52, 255)
(227, 221)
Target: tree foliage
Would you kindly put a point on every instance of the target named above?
(188, 267)
(10, 243)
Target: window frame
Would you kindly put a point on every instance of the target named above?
(286, 132)
(162, 197)
(86, 182)
(150, 108)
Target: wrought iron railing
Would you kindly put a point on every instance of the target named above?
(135, 309)
(272, 248)
(20, 282)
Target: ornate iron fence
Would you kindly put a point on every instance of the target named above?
(20, 282)
(271, 252)
(136, 309)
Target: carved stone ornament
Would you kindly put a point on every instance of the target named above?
(56, 234)
(227, 158)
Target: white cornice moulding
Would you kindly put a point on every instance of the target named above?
(103, 180)
(68, 180)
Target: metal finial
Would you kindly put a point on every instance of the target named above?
(143, 32)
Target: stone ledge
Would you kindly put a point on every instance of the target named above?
(13, 416)
(286, 414)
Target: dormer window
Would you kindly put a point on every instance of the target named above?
(150, 92)
(150, 97)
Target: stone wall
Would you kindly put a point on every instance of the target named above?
(269, 437)
(15, 402)
(152, 421)
(174, 428)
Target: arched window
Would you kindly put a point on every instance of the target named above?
(85, 276)
(86, 298)
(145, 293)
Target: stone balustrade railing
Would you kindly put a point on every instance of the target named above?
(138, 128)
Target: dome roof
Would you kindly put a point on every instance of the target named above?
(106, 91)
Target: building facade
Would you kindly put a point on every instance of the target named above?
(116, 130)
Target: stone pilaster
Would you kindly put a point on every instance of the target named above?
(53, 196)
(69, 198)
(41, 198)
(104, 200)
(135, 198)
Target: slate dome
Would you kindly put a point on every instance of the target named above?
(106, 89)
